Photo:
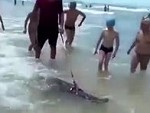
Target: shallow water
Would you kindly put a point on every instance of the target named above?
(23, 89)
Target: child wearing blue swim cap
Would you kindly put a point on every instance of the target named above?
(106, 50)
(110, 23)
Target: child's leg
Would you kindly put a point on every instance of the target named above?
(68, 34)
(101, 60)
(144, 60)
(32, 37)
(72, 34)
(134, 63)
(107, 59)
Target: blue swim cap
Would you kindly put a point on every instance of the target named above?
(110, 23)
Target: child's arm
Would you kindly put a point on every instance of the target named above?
(84, 16)
(117, 46)
(1, 20)
(98, 42)
(133, 45)
(26, 21)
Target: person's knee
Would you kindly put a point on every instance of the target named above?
(144, 67)
(106, 62)
(132, 69)
(101, 61)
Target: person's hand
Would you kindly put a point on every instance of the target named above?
(113, 55)
(61, 30)
(25, 31)
(95, 52)
(80, 25)
(128, 52)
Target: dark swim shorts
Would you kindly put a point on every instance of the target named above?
(105, 49)
(45, 33)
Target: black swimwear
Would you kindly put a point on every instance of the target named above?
(45, 33)
(70, 28)
(105, 49)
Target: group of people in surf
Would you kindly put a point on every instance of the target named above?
(47, 20)
(22, 1)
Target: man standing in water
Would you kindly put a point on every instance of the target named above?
(50, 12)
(141, 45)
(1, 20)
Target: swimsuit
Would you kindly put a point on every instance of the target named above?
(47, 33)
(106, 49)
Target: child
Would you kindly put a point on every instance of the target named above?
(71, 16)
(107, 37)
(1, 20)
(142, 45)
(32, 28)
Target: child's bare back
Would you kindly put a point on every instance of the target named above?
(109, 37)
(33, 24)
(33, 17)
(71, 17)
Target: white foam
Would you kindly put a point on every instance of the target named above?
(14, 103)
(92, 11)
(3, 89)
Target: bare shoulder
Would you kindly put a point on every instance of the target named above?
(139, 32)
(78, 11)
(29, 14)
(103, 32)
(116, 33)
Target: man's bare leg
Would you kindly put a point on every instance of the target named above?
(53, 52)
(144, 60)
(101, 60)
(37, 51)
(106, 62)
(134, 63)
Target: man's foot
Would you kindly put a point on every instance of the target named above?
(37, 52)
(53, 63)
(37, 60)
